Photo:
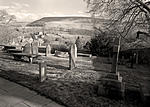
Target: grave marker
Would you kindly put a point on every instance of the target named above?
(35, 45)
(75, 50)
(116, 49)
(111, 85)
(42, 71)
(27, 48)
(48, 50)
(72, 57)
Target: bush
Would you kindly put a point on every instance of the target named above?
(101, 45)
(60, 47)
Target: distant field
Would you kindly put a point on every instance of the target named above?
(62, 29)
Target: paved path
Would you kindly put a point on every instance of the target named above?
(14, 95)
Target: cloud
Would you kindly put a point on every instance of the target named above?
(4, 7)
(28, 12)
(19, 10)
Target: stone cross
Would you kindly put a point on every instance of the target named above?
(35, 45)
(48, 50)
(72, 57)
(116, 49)
(27, 48)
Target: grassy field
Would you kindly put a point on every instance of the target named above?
(76, 88)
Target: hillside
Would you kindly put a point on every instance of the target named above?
(64, 20)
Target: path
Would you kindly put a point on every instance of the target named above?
(14, 95)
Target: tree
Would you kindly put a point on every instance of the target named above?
(123, 14)
(6, 18)
(7, 33)
(100, 45)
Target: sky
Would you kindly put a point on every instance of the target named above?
(30, 10)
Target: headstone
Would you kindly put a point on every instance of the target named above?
(72, 58)
(137, 57)
(27, 48)
(116, 49)
(75, 50)
(111, 85)
(35, 45)
(48, 50)
(42, 71)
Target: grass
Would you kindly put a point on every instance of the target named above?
(75, 88)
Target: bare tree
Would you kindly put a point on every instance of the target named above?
(6, 18)
(124, 14)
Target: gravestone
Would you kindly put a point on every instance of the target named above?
(35, 45)
(48, 50)
(42, 71)
(72, 57)
(75, 50)
(27, 48)
(116, 49)
(111, 85)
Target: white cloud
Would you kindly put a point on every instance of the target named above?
(4, 7)
(24, 12)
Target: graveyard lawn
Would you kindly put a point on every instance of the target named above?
(76, 88)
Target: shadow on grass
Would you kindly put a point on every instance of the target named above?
(30, 81)
(58, 66)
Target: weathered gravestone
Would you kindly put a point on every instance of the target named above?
(111, 85)
(75, 50)
(116, 49)
(48, 50)
(42, 71)
(27, 48)
(72, 57)
(35, 45)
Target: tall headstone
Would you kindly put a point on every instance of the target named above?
(75, 50)
(111, 85)
(116, 49)
(137, 57)
(35, 45)
(72, 58)
(48, 50)
(27, 48)
(42, 71)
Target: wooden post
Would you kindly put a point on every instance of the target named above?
(116, 50)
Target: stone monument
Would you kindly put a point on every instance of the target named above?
(72, 57)
(111, 85)
(48, 50)
(42, 71)
(35, 45)
(27, 48)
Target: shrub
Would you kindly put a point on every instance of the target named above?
(101, 45)
(60, 47)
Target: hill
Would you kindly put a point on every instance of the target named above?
(65, 20)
